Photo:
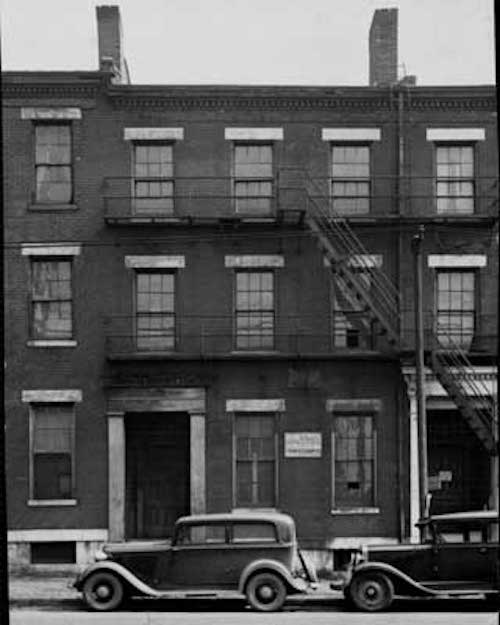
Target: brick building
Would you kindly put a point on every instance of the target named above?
(210, 302)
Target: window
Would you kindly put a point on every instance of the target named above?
(155, 310)
(51, 299)
(52, 443)
(455, 308)
(254, 310)
(53, 553)
(53, 163)
(353, 462)
(348, 316)
(351, 179)
(254, 532)
(455, 179)
(255, 450)
(253, 178)
(153, 185)
(201, 534)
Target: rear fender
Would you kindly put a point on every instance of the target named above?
(121, 572)
(261, 566)
(402, 582)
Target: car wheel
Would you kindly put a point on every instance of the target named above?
(371, 591)
(266, 592)
(103, 591)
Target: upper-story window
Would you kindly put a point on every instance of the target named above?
(253, 178)
(455, 312)
(51, 299)
(53, 163)
(349, 313)
(455, 178)
(254, 310)
(155, 310)
(153, 183)
(350, 182)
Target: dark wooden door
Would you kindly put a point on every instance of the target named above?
(157, 473)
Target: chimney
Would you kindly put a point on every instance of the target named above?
(384, 48)
(110, 39)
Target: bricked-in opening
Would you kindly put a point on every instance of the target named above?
(53, 553)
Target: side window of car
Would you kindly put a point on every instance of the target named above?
(254, 532)
(201, 534)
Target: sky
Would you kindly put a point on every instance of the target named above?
(295, 42)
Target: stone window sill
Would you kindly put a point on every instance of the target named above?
(372, 510)
(49, 343)
(49, 206)
(51, 502)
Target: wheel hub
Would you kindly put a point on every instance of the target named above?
(103, 591)
(266, 592)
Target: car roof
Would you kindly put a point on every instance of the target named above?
(273, 517)
(471, 515)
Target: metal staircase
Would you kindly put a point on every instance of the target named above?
(448, 362)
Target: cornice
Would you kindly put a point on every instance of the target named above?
(49, 91)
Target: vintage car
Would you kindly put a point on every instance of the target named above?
(253, 555)
(457, 556)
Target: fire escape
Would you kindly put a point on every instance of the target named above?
(382, 303)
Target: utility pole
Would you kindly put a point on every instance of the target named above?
(420, 372)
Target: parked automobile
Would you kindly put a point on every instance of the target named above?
(252, 555)
(457, 556)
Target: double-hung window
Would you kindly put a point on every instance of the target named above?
(353, 461)
(455, 178)
(155, 310)
(51, 299)
(350, 181)
(348, 315)
(253, 178)
(254, 310)
(53, 163)
(52, 448)
(153, 182)
(255, 442)
(455, 307)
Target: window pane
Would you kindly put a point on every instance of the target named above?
(455, 183)
(248, 532)
(52, 144)
(52, 476)
(155, 306)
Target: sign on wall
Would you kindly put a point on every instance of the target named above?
(302, 445)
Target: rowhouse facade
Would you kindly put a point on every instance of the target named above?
(210, 306)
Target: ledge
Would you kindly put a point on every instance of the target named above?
(51, 502)
(44, 207)
(55, 343)
(345, 511)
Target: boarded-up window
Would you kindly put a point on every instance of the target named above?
(350, 182)
(153, 178)
(255, 448)
(455, 179)
(353, 461)
(253, 178)
(155, 310)
(455, 308)
(51, 299)
(52, 448)
(53, 163)
(254, 310)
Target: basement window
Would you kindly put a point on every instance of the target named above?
(53, 553)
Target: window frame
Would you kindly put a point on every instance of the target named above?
(473, 179)
(249, 270)
(272, 179)
(161, 271)
(168, 211)
(33, 500)
(476, 302)
(334, 506)
(361, 339)
(369, 180)
(275, 418)
(35, 200)
(32, 338)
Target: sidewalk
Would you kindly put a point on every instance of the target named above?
(28, 590)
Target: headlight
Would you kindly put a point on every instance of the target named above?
(100, 555)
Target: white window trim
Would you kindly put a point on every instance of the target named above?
(461, 261)
(254, 260)
(52, 249)
(57, 535)
(153, 134)
(455, 134)
(52, 112)
(350, 134)
(255, 405)
(52, 396)
(51, 502)
(360, 510)
(52, 343)
(155, 262)
(253, 134)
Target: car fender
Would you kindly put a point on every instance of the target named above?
(297, 584)
(395, 575)
(121, 572)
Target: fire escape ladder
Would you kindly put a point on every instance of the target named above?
(382, 303)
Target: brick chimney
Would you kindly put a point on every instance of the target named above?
(383, 45)
(110, 39)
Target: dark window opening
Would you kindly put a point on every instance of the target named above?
(53, 553)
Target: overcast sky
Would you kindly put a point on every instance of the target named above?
(323, 42)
